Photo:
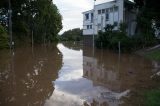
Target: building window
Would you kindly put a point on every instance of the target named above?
(92, 17)
(87, 16)
(111, 9)
(115, 24)
(107, 16)
(116, 8)
(87, 26)
(103, 11)
(99, 11)
(90, 26)
(107, 10)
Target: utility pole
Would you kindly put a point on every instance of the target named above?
(32, 29)
(93, 22)
(93, 25)
(10, 23)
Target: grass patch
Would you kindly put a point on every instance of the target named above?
(155, 54)
(152, 98)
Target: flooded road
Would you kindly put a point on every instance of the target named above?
(69, 74)
(26, 76)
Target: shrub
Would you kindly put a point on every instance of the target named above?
(110, 39)
(144, 40)
(125, 42)
(3, 38)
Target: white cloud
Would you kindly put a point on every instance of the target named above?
(71, 10)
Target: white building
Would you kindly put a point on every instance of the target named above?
(114, 13)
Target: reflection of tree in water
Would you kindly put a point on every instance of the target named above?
(118, 74)
(28, 80)
(107, 69)
(73, 45)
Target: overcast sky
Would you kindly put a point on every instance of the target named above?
(71, 11)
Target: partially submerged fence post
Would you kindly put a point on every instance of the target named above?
(119, 47)
(101, 45)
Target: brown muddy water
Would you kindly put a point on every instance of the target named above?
(69, 74)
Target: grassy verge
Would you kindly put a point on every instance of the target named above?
(152, 98)
(155, 54)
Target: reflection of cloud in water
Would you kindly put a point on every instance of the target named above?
(70, 75)
(59, 98)
(71, 89)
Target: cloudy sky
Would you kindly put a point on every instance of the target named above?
(71, 10)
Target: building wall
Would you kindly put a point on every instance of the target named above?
(114, 16)
(130, 20)
(117, 13)
(89, 21)
(100, 19)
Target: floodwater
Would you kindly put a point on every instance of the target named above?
(70, 74)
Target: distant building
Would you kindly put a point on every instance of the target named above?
(113, 12)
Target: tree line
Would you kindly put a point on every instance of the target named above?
(148, 17)
(32, 20)
(72, 35)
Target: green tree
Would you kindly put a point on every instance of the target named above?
(38, 18)
(73, 34)
(148, 16)
(111, 38)
(148, 20)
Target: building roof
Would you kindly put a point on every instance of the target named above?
(126, 1)
(97, 5)
(87, 11)
(105, 2)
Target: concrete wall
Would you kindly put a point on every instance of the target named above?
(130, 20)
(87, 22)
(100, 19)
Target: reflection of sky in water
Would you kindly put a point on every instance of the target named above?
(71, 89)
(72, 67)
